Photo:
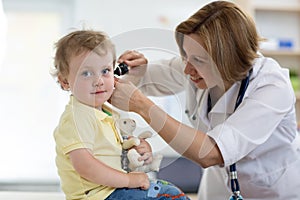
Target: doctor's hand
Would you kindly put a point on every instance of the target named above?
(126, 96)
(133, 58)
(137, 65)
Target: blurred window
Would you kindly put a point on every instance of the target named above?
(30, 98)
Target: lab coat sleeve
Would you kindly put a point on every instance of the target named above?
(164, 77)
(269, 99)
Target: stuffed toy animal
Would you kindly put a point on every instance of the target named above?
(126, 128)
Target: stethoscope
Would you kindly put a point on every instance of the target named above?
(234, 183)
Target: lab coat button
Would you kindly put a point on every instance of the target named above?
(186, 111)
(194, 117)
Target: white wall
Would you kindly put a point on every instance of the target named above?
(117, 16)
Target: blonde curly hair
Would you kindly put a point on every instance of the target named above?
(78, 42)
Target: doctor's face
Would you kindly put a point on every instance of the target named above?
(200, 68)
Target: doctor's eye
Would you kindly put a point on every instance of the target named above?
(198, 60)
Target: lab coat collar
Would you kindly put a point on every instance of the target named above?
(257, 65)
(222, 109)
(226, 104)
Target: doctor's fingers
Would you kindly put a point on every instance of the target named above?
(119, 98)
(122, 94)
(133, 58)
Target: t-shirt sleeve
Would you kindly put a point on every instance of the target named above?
(74, 132)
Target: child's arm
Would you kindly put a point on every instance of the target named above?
(97, 172)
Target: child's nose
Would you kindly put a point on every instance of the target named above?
(98, 81)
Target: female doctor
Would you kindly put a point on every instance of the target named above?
(240, 103)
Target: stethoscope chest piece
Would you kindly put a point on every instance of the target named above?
(236, 197)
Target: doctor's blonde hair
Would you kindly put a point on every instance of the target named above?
(229, 36)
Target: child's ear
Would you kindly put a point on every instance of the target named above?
(63, 82)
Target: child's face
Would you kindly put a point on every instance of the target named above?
(91, 78)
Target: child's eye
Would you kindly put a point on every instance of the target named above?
(87, 73)
(105, 71)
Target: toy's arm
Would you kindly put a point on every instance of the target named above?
(134, 142)
(131, 142)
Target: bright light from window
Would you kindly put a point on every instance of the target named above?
(30, 98)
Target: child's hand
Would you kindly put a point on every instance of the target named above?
(145, 150)
(138, 180)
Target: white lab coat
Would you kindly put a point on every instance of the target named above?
(260, 136)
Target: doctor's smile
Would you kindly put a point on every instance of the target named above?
(195, 79)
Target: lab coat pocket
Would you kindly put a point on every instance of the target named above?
(267, 179)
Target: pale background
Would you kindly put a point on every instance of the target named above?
(31, 102)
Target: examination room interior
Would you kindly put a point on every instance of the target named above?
(31, 101)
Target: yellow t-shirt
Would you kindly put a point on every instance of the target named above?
(82, 126)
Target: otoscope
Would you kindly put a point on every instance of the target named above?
(121, 69)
